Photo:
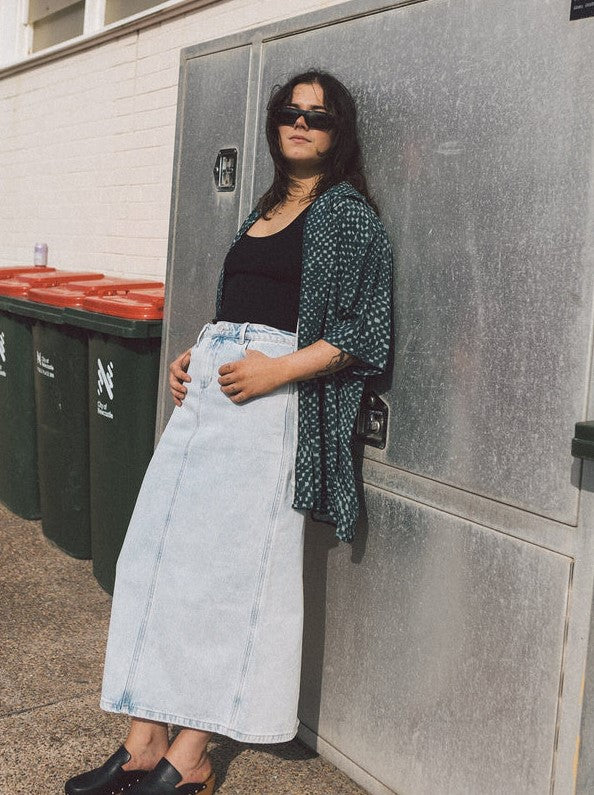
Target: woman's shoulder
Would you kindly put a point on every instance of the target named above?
(346, 209)
(348, 206)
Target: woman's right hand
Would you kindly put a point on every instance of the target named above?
(178, 374)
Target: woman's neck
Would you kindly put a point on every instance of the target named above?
(301, 188)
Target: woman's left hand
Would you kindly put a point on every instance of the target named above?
(255, 374)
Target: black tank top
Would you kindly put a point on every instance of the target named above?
(263, 278)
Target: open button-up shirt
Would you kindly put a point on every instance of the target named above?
(345, 299)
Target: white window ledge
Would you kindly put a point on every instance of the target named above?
(145, 19)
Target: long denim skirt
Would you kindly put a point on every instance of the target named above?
(207, 613)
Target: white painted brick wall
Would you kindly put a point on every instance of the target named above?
(86, 144)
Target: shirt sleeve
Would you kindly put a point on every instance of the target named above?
(362, 324)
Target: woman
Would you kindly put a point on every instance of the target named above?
(207, 614)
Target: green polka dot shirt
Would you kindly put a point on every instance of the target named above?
(345, 299)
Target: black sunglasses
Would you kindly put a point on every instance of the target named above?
(315, 119)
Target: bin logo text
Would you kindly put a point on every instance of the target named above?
(44, 366)
(104, 381)
(2, 355)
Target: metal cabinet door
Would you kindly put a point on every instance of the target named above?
(211, 117)
(450, 624)
(481, 164)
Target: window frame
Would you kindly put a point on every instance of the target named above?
(33, 19)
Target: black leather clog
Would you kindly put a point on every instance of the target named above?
(162, 781)
(109, 779)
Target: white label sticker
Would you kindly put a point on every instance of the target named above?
(2, 355)
(105, 382)
(44, 365)
(103, 409)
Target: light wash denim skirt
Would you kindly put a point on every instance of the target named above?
(207, 613)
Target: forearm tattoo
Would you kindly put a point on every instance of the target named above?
(337, 362)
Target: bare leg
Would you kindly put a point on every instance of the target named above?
(147, 742)
(188, 754)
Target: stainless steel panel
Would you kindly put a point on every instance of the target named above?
(444, 651)
(585, 776)
(477, 129)
(211, 116)
(432, 651)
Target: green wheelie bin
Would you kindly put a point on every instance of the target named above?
(19, 487)
(61, 365)
(18, 440)
(124, 353)
(25, 495)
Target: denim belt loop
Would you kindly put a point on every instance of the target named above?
(242, 330)
(201, 334)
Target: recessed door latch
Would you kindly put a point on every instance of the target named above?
(372, 420)
(225, 170)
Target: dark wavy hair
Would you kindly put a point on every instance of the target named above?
(342, 161)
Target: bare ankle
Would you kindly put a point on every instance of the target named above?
(191, 773)
(145, 748)
(144, 758)
(204, 764)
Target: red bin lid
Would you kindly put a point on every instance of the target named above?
(73, 293)
(19, 286)
(9, 273)
(133, 308)
(154, 294)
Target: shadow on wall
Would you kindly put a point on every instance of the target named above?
(320, 541)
